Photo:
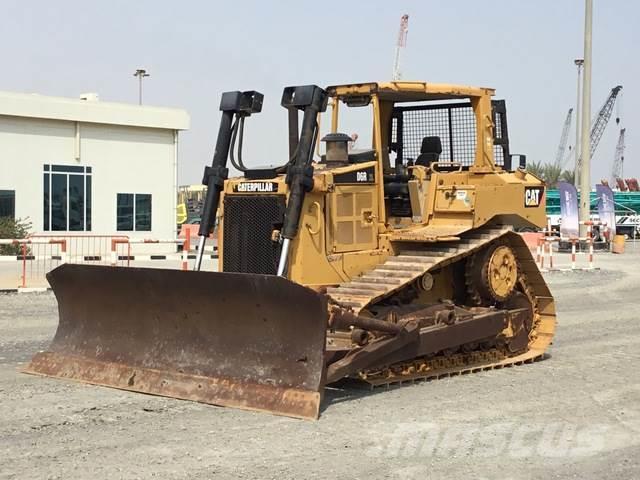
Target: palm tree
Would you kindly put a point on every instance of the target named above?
(569, 176)
(551, 174)
(536, 168)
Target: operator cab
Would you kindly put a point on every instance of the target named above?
(418, 125)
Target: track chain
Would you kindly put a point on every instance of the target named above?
(458, 363)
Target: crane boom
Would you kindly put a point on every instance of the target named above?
(563, 139)
(618, 161)
(400, 44)
(599, 123)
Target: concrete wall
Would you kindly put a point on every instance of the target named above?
(124, 159)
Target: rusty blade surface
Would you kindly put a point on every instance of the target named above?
(247, 341)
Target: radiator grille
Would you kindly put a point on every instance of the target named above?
(249, 221)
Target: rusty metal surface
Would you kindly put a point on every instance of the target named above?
(366, 357)
(227, 392)
(248, 341)
(340, 318)
(415, 342)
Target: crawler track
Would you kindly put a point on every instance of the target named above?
(394, 274)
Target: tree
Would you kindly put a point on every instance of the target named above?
(568, 176)
(536, 168)
(551, 174)
(10, 228)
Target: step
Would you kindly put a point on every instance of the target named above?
(403, 266)
(429, 253)
(382, 274)
(414, 259)
(395, 273)
(369, 287)
(409, 267)
(392, 281)
(349, 291)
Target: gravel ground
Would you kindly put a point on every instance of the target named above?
(574, 415)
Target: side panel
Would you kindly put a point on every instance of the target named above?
(352, 219)
(476, 198)
(309, 262)
(512, 201)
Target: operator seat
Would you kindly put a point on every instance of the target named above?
(430, 151)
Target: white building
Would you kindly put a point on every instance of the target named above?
(89, 167)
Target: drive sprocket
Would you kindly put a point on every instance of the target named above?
(492, 274)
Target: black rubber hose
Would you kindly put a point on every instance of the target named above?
(240, 143)
(237, 165)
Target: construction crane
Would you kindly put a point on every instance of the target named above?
(400, 44)
(563, 139)
(600, 122)
(618, 160)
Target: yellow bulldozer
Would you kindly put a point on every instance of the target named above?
(390, 263)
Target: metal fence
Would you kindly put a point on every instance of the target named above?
(39, 254)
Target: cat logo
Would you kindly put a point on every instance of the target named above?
(533, 196)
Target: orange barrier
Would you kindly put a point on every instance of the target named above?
(39, 254)
(544, 248)
(115, 257)
(191, 230)
(93, 249)
(37, 257)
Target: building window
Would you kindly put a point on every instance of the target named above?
(8, 204)
(134, 212)
(67, 198)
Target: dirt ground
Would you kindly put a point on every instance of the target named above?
(573, 415)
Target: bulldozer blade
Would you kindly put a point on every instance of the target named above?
(254, 342)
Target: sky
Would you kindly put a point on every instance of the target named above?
(194, 51)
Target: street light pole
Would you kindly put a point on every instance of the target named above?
(576, 169)
(140, 73)
(585, 167)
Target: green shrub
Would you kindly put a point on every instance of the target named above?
(10, 228)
